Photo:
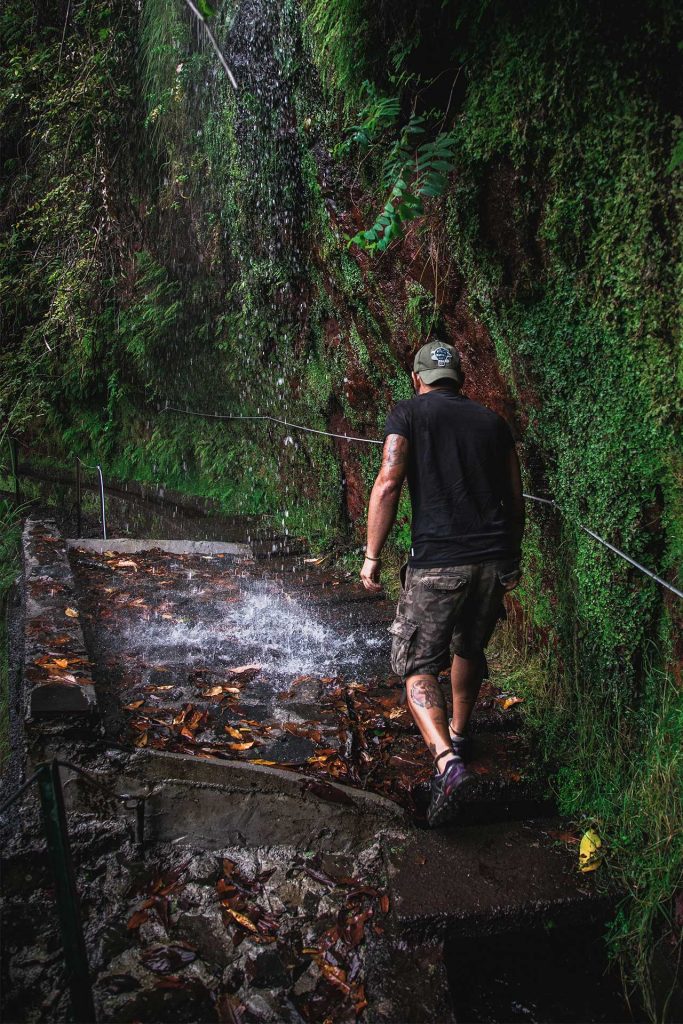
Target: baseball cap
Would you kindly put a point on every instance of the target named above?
(437, 360)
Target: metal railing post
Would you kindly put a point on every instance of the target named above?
(104, 520)
(68, 908)
(14, 463)
(78, 498)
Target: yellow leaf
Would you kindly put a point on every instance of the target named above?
(258, 760)
(71, 612)
(235, 733)
(242, 919)
(126, 563)
(213, 692)
(508, 702)
(590, 856)
(241, 746)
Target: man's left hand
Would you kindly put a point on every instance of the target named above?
(369, 575)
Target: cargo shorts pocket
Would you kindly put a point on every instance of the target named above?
(403, 632)
(443, 582)
(507, 579)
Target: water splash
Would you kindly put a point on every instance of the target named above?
(265, 626)
(288, 639)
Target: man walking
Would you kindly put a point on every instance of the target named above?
(467, 527)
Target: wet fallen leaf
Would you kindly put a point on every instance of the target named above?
(325, 791)
(126, 563)
(241, 919)
(336, 976)
(563, 837)
(66, 677)
(71, 612)
(590, 856)
(241, 670)
(134, 705)
(241, 746)
(384, 903)
(54, 663)
(235, 733)
(215, 691)
(165, 959)
(170, 981)
(138, 918)
(258, 760)
(508, 702)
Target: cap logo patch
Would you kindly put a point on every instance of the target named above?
(441, 356)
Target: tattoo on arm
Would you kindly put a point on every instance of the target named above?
(395, 452)
(425, 692)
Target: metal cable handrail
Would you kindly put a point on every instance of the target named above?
(371, 440)
(271, 419)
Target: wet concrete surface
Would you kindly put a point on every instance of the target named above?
(277, 664)
(283, 876)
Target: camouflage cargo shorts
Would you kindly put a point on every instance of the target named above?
(447, 611)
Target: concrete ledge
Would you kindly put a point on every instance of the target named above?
(129, 545)
(58, 682)
(219, 802)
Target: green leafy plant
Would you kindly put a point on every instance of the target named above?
(378, 114)
(413, 173)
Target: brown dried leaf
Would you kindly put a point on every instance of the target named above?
(71, 612)
(138, 918)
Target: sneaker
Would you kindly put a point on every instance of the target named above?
(446, 792)
(461, 745)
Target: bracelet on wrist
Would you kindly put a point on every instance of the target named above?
(371, 559)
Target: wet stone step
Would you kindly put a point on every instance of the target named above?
(491, 879)
(505, 784)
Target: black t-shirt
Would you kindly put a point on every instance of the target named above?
(458, 479)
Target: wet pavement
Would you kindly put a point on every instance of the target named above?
(284, 874)
(273, 663)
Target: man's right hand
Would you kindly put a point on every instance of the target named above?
(369, 575)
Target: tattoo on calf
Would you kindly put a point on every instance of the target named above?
(425, 692)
